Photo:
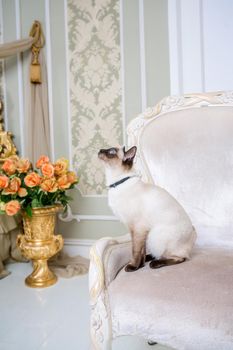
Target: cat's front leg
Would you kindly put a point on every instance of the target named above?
(138, 251)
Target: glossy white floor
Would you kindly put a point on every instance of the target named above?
(54, 318)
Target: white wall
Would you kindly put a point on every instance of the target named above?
(201, 54)
(138, 61)
(166, 47)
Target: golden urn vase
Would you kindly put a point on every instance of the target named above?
(39, 243)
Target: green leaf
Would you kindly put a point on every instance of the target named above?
(35, 203)
(63, 196)
(28, 210)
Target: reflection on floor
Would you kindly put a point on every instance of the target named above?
(54, 318)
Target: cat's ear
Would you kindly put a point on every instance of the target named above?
(130, 154)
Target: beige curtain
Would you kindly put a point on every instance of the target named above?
(37, 143)
(10, 49)
(37, 117)
(37, 132)
(36, 94)
(9, 229)
(66, 266)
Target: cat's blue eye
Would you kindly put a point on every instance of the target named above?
(112, 151)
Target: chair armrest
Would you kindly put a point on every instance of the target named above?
(107, 257)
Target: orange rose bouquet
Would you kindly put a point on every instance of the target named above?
(22, 187)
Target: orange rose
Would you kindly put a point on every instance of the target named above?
(4, 181)
(47, 170)
(32, 179)
(61, 166)
(22, 192)
(9, 166)
(12, 207)
(72, 177)
(13, 186)
(49, 185)
(63, 182)
(41, 161)
(23, 165)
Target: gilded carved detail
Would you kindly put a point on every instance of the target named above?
(43, 250)
(7, 147)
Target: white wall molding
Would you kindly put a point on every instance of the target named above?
(68, 85)
(200, 54)
(191, 46)
(175, 48)
(69, 216)
(74, 246)
(3, 69)
(202, 45)
(1, 22)
(186, 46)
(91, 195)
(142, 55)
(122, 72)
(50, 77)
(20, 78)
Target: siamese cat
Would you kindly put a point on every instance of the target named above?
(157, 222)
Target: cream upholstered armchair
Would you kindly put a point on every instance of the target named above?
(185, 144)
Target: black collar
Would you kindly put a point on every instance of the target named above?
(115, 184)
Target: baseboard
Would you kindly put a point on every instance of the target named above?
(74, 246)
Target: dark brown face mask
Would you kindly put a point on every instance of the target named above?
(113, 154)
(108, 153)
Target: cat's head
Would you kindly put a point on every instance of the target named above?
(118, 157)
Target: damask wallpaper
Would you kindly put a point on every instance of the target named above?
(95, 86)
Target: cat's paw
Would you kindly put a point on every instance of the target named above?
(131, 268)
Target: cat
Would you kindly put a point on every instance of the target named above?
(158, 224)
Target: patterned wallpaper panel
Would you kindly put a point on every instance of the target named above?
(95, 86)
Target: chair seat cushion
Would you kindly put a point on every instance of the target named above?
(187, 306)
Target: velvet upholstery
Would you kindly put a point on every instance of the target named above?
(185, 145)
(190, 154)
(188, 306)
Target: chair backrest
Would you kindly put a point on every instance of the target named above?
(185, 145)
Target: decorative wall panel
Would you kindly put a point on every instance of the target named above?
(201, 59)
(95, 86)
